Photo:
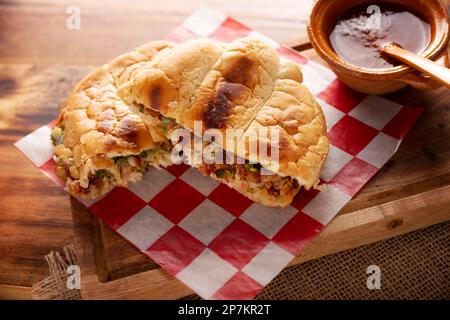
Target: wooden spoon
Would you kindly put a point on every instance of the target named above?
(426, 66)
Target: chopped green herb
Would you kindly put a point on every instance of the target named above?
(144, 165)
(102, 174)
(120, 161)
(249, 190)
(141, 109)
(53, 140)
(221, 173)
(252, 167)
(165, 122)
(56, 136)
(164, 130)
(155, 150)
(144, 154)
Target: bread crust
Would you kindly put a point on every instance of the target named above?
(293, 111)
(241, 85)
(172, 80)
(235, 88)
(221, 86)
(97, 125)
(248, 87)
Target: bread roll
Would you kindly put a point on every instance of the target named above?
(241, 85)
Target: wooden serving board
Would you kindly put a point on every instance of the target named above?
(411, 191)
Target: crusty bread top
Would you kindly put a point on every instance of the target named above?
(240, 85)
(170, 83)
(303, 144)
(222, 86)
(234, 89)
(97, 125)
(96, 121)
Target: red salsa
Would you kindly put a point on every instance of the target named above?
(359, 35)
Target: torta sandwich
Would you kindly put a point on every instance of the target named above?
(120, 119)
(243, 85)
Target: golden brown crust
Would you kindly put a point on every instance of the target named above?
(200, 80)
(293, 111)
(241, 85)
(97, 125)
(248, 87)
(173, 78)
(236, 87)
(96, 119)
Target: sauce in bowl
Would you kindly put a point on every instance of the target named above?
(359, 35)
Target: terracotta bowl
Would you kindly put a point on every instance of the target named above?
(380, 81)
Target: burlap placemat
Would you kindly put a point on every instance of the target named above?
(54, 287)
(413, 266)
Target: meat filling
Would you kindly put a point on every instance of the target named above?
(97, 181)
(251, 179)
(248, 174)
(131, 168)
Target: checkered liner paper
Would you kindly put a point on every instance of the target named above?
(216, 241)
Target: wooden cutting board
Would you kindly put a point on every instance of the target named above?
(411, 191)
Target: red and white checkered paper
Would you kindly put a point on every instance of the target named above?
(216, 241)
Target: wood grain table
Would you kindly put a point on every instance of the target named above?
(40, 60)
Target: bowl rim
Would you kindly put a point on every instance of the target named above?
(433, 52)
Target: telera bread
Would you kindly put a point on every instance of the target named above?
(241, 85)
(99, 141)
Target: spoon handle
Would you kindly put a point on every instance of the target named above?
(426, 66)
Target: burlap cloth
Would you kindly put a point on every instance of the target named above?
(54, 287)
(413, 266)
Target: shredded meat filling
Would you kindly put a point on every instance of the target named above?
(248, 174)
(250, 177)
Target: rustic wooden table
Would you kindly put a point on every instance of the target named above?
(40, 60)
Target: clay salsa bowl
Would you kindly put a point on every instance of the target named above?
(380, 81)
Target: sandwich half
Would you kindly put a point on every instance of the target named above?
(245, 86)
(99, 141)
